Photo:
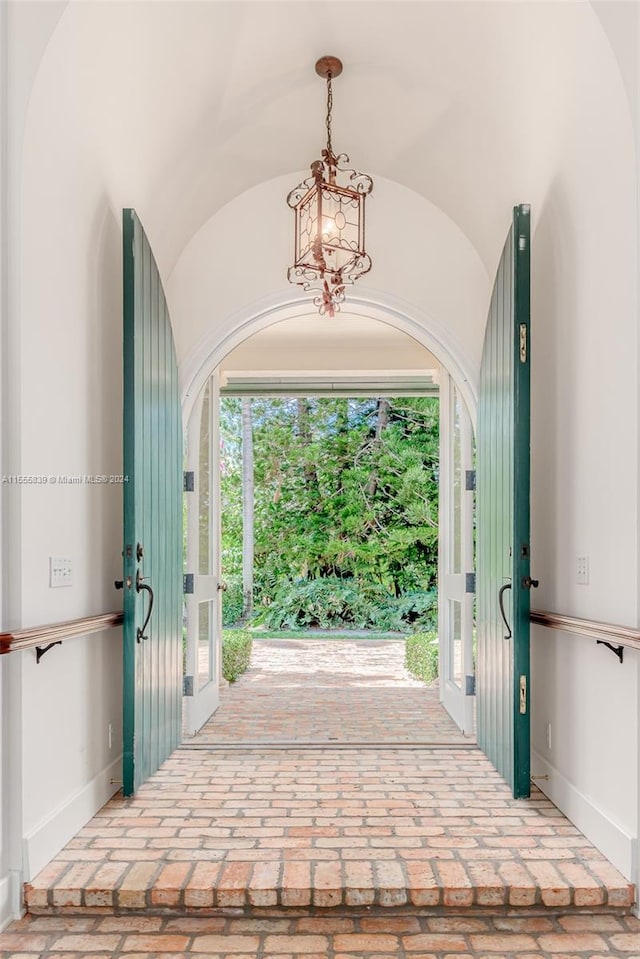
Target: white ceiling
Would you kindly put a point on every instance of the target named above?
(317, 344)
(191, 103)
(185, 107)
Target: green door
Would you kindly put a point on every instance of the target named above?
(503, 694)
(152, 694)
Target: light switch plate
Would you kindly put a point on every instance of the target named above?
(60, 571)
(582, 570)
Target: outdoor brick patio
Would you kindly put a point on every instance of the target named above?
(330, 691)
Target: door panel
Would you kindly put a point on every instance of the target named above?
(204, 610)
(503, 516)
(455, 602)
(152, 555)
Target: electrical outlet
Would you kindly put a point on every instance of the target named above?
(548, 735)
(582, 570)
(60, 571)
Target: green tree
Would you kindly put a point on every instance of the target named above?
(346, 509)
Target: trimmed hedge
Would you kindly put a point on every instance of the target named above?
(236, 653)
(232, 601)
(421, 656)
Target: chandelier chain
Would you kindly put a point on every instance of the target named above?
(329, 109)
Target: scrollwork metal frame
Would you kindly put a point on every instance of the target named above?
(316, 267)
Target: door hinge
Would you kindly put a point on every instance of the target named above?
(470, 583)
(523, 342)
(470, 685)
(187, 583)
(523, 695)
(187, 685)
(470, 480)
(189, 481)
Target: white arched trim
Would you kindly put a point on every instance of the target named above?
(211, 350)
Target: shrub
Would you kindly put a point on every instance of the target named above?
(421, 656)
(232, 601)
(331, 602)
(236, 653)
(408, 611)
(317, 602)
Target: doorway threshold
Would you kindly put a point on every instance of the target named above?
(327, 744)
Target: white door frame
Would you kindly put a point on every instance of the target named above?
(455, 558)
(202, 699)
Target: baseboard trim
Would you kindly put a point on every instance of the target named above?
(45, 841)
(6, 912)
(609, 837)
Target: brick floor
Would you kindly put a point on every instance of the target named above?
(327, 828)
(330, 691)
(363, 844)
(394, 936)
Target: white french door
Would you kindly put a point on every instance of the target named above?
(456, 579)
(202, 580)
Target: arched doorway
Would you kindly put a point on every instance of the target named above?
(403, 353)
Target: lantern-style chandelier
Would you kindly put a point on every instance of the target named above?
(329, 218)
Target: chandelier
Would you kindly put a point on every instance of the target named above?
(329, 218)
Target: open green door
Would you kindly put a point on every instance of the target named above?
(152, 631)
(503, 554)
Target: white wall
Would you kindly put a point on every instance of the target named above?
(584, 460)
(62, 415)
(71, 425)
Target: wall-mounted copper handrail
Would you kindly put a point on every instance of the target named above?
(56, 632)
(53, 632)
(603, 632)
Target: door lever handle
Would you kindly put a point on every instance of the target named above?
(139, 587)
(501, 592)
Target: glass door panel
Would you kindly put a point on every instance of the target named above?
(455, 642)
(455, 562)
(205, 659)
(204, 620)
(204, 483)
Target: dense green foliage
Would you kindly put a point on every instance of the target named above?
(332, 602)
(346, 511)
(236, 653)
(421, 656)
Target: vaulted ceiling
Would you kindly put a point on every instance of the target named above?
(192, 103)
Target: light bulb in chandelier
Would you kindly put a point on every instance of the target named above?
(328, 227)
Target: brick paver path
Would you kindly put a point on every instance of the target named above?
(330, 691)
(328, 828)
(386, 937)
